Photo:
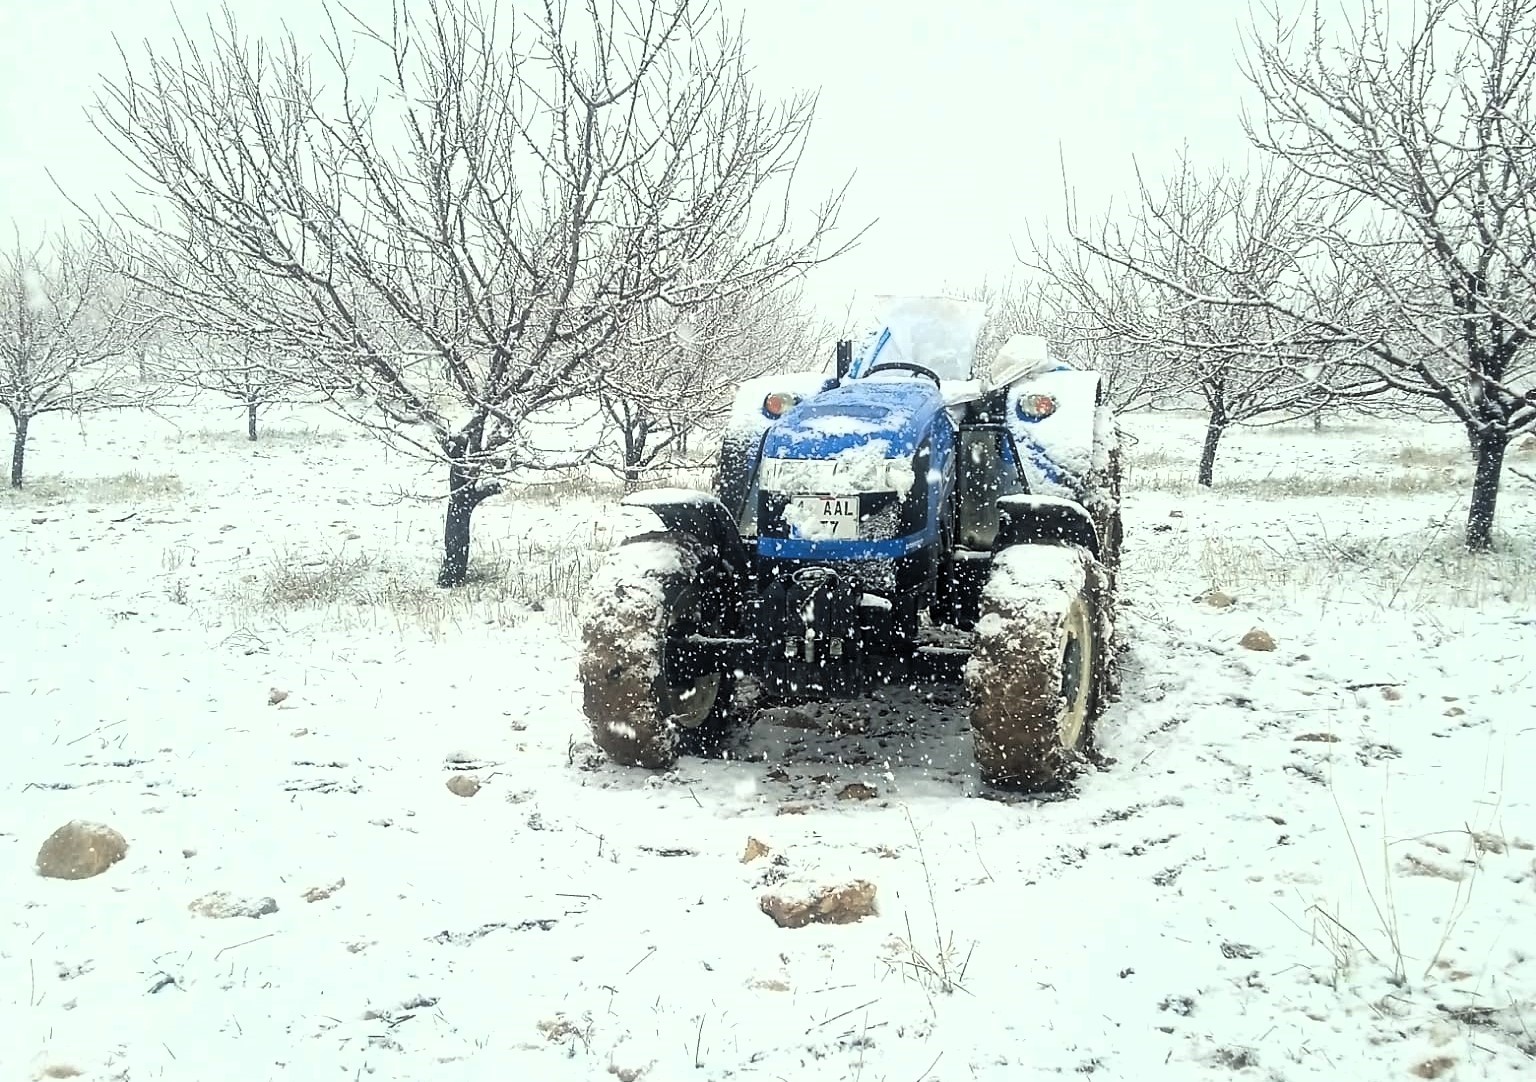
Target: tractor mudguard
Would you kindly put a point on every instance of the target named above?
(699, 514)
(739, 454)
(1030, 519)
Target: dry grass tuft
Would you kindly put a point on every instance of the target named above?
(1412, 457)
(120, 488)
(1381, 467)
(1426, 567)
(352, 588)
(235, 434)
(562, 487)
(1298, 486)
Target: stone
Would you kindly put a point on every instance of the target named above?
(857, 790)
(1257, 639)
(80, 850)
(319, 894)
(831, 905)
(222, 905)
(769, 984)
(465, 785)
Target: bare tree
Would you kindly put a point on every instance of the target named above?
(1418, 251)
(1077, 308)
(675, 372)
(467, 246)
(1200, 244)
(248, 373)
(68, 338)
(1435, 134)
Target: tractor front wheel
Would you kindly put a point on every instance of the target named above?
(651, 591)
(1035, 673)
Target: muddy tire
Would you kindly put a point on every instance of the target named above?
(651, 587)
(1104, 507)
(1038, 667)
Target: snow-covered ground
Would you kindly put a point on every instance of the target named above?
(1314, 862)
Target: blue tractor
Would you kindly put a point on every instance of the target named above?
(907, 519)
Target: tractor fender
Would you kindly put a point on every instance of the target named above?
(1056, 451)
(1033, 519)
(740, 452)
(701, 515)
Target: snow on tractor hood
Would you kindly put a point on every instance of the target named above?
(861, 425)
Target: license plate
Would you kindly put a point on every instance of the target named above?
(823, 518)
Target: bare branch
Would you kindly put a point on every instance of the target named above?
(468, 245)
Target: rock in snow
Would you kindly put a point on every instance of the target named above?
(832, 905)
(1257, 639)
(463, 785)
(80, 850)
(220, 905)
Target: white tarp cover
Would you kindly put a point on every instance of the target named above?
(939, 333)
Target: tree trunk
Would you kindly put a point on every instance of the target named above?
(1474, 438)
(250, 421)
(1214, 427)
(634, 451)
(462, 501)
(1485, 489)
(19, 449)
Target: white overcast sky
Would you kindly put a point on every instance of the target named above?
(950, 114)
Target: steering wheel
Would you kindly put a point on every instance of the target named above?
(906, 366)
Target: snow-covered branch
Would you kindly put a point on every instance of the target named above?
(468, 246)
(69, 333)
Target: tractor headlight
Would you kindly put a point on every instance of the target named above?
(777, 403)
(1035, 407)
(898, 475)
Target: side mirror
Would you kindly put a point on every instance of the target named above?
(844, 358)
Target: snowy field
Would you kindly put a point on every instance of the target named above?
(1311, 863)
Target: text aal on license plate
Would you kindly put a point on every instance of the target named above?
(824, 518)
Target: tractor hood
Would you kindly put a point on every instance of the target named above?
(884, 416)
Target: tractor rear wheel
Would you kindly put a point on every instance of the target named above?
(652, 589)
(1036, 671)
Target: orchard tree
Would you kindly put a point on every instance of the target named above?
(69, 337)
(1200, 244)
(675, 372)
(1417, 252)
(1080, 311)
(1435, 133)
(249, 374)
(466, 246)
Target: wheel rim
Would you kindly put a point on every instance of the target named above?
(688, 704)
(1076, 675)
